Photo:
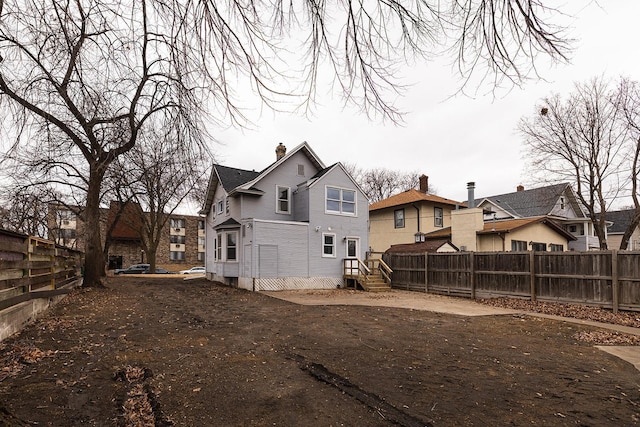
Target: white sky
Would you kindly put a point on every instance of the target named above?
(452, 140)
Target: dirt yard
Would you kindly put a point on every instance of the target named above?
(168, 352)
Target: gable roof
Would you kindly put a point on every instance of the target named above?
(411, 196)
(533, 203)
(230, 178)
(303, 148)
(235, 181)
(430, 246)
(509, 225)
(620, 219)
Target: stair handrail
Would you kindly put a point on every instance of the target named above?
(385, 271)
(363, 270)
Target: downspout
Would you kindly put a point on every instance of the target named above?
(417, 215)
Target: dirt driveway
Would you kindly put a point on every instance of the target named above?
(169, 352)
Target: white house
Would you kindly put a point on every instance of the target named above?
(288, 226)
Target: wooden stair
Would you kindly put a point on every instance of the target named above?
(370, 276)
(374, 283)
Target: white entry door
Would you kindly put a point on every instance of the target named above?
(352, 250)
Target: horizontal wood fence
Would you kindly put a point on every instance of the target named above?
(608, 279)
(34, 268)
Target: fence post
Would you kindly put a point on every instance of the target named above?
(614, 280)
(472, 276)
(426, 272)
(532, 272)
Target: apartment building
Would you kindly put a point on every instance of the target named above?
(182, 241)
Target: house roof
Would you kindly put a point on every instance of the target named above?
(236, 180)
(620, 219)
(509, 225)
(230, 223)
(128, 224)
(230, 178)
(411, 196)
(532, 203)
(426, 246)
(439, 234)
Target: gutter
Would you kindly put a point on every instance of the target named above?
(417, 215)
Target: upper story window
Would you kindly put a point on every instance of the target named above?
(438, 217)
(283, 199)
(219, 207)
(200, 224)
(398, 218)
(176, 222)
(176, 239)
(301, 170)
(341, 201)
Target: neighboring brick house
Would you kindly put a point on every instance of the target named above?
(181, 244)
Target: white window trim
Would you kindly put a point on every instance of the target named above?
(340, 212)
(395, 225)
(346, 246)
(221, 246)
(219, 207)
(288, 211)
(436, 218)
(333, 255)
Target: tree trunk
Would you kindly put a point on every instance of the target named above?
(94, 255)
(629, 231)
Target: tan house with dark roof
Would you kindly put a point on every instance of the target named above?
(515, 235)
(403, 217)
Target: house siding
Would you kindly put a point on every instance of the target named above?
(284, 250)
(384, 234)
(264, 207)
(340, 225)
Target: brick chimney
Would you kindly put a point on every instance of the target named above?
(424, 183)
(520, 188)
(281, 150)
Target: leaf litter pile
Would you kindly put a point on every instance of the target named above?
(582, 312)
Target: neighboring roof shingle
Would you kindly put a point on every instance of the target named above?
(621, 220)
(427, 246)
(506, 226)
(529, 203)
(411, 196)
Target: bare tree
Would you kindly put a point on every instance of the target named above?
(581, 139)
(87, 76)
(154, 179)
(629, 103)
(380, 183)
(25, 208)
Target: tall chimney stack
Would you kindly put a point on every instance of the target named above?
(281, 150)
(471, 186)
(424, 183)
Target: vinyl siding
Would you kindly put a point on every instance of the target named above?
(264, 207)
(341, 225)
(282, 249)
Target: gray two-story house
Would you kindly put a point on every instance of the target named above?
(289, 226)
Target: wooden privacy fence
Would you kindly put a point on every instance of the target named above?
(34, 268)
(604, 278)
